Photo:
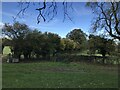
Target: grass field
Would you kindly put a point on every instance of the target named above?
(59, 75)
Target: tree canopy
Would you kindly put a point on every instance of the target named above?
(78, 36)
(103, 45)
(26, 41)
(16, 33)
(34, 43)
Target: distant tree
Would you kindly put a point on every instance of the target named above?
(16, 33)
(92, 46)
(78, 36)
(25, 41)
(118, 47)
(68, 45)
(1, 46)
(51, 44)
(103, 45)
(107, 17)
(5, 42)
(41, 44)
(32, 43)
(55, 42)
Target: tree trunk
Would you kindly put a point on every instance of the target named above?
(103, 61)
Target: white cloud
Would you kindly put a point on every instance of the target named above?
(74, 28)
(1, 25)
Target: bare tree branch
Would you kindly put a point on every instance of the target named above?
(107, 17)
(47, 12)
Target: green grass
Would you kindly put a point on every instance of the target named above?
(59, 75)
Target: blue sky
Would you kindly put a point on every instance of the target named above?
(81, 16)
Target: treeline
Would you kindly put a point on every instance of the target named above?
(35, 44)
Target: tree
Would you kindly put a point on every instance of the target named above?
(25, 41)
(107, 17)
(118, 47)
(5, 42)
(41, 44)
(78, 36)
(16, 33)
(51, 44)
(68, 45)
(92, 44)
(1, 49)
(31, 43)
(103, 45)
(54, 41)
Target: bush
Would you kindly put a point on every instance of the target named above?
(114, 60)
(4, 58)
